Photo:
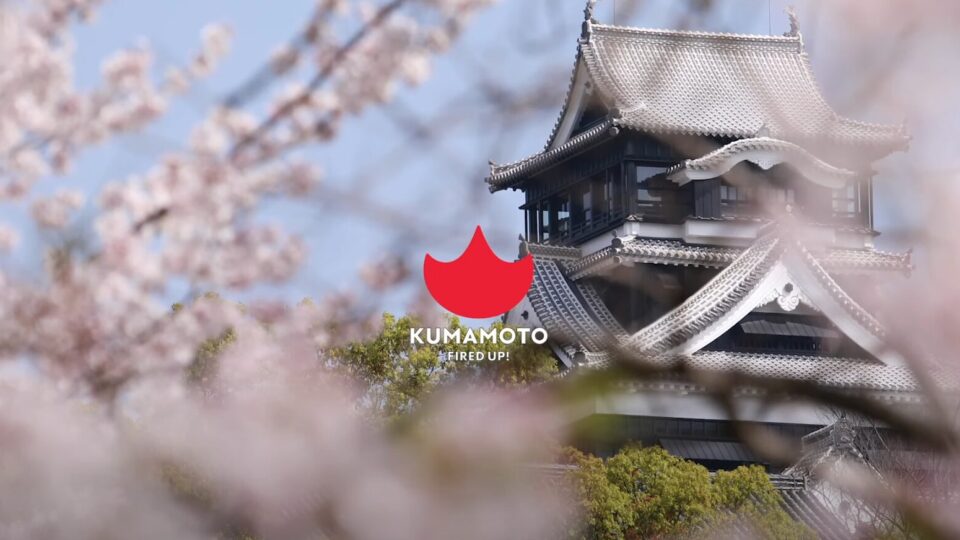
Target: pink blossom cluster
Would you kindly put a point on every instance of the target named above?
(45, 120)
(275, 450)
(103, 431)
(192, 217)
(364, 70)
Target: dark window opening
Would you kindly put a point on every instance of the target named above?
(659, 198)
(588, 206)
(592, 114)
(846, 202)
(638, 295)
(738, 199)
(782, 333)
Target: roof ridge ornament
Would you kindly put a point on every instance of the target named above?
(794, 25)
(586, 29)
(524, 248)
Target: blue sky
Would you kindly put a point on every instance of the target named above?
(516, 44)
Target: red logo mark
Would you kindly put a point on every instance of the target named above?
(478, 284)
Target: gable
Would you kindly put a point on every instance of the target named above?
(776, 331)
(582, 109)
(776, 270)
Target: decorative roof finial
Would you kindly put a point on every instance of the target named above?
(588, 21)
(794, 22)
(524, 248)
(794, 27)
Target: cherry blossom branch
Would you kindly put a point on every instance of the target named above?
(283, 60)
(320, 77)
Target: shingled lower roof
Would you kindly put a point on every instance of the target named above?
(676, 252)
(561, 311)
(579, 321)
(713, 301)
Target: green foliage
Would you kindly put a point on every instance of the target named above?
(669, 494)
(399, 374)
(205, 360)
(747, 493)
(396, 373)
(647, 493)
(528, 363)
(204, 363)
(608, 511)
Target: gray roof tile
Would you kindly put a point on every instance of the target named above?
(721, 84)
(711, 84)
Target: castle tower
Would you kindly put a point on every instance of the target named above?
(699, 202)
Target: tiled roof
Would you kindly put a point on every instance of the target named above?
(578, 319)
(831, 372)
(712, 301)
(844, 227)
(561, 311)
(600, 311)
(553, 252)
(727, 289)
(566, 101)
(722, 85)
(806, 507)
(504, 175)
(862, 316)
(724, 158)
(710, 84)
(652, 250)
(867, 259)
(677, 252)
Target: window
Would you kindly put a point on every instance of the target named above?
(533, 215)
(587, 204)
(733, 195)
(650, 193)
(846, 201)
(612, 191)
(648, 196)
(545, 221)
(582, 205)
(767, 196)
(598, 201)
(560, 205)
(591, 203)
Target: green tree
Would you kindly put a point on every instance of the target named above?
(647, 493)
(399, 374)
(669, 495)
(608, 512)
(746, 493)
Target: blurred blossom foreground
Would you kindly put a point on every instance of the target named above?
(729, 354)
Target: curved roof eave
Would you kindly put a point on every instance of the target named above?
(765, 152)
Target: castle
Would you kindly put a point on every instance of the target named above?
(699, 203)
